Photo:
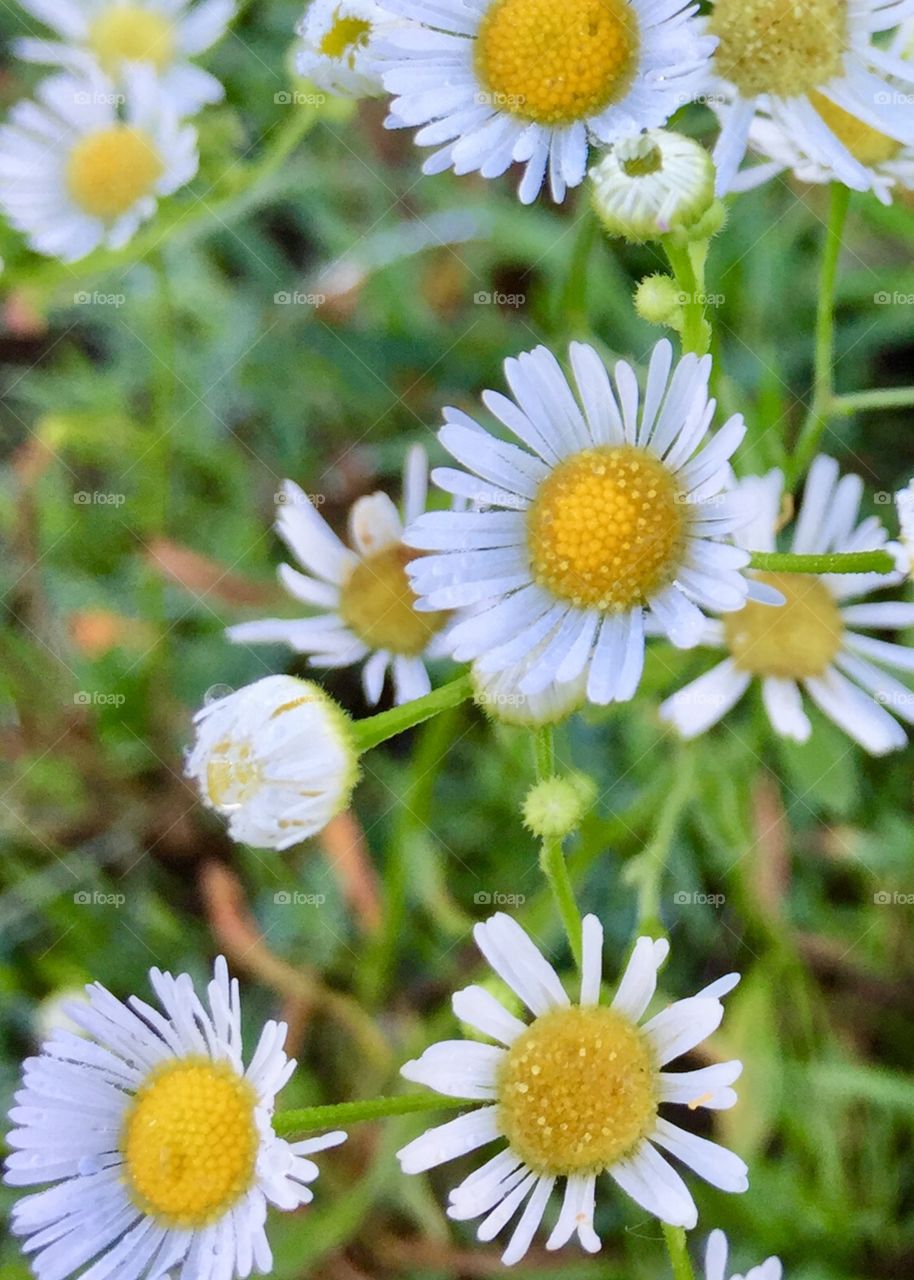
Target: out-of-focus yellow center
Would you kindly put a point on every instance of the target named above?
(109, 171)
(378, 604)
(232, 774)
(344, 37)
(866, 144)
(557, 62)
(795, 640)
(577, 1091)
(127, 33)
(782, 47)
(190, 1142)
(607, 528)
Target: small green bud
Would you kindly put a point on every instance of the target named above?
(554, 807)
(658, 300)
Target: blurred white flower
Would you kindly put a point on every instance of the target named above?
(364, 597)
(75, 173)
(716, 1262)
(809, 642)
(114, 34)
(338, 46)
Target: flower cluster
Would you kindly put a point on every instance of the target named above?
(85, 163)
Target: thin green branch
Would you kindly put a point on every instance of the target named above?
(816, 422)
(316, 1119)
(552, 853)
(374, 730)
(680, 1261)
(862, 401)
(837, 562)
(696, 334)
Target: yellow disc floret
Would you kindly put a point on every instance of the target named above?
(110, 170)
(344, 37)
(233, 775)
(783, 47)
(865, 143)
(127, 33)
(577, 1091)
(795, 640)
(190, 1142)
(378, 604)
(607, 528)
(557, 63)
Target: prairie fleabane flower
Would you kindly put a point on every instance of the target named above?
(338, 46)
(652, 184)
(74, 174)
(156, 1140)
(115, 34)
(816, 72)
(716, 1262)
(499, 81)
(366, 602)
(574, 1093)
(613, 515)
(810, 642)
(276, 759)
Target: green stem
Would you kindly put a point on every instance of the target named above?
(695, 332)
(676, 1246)
(374, 730)
(646, 870)
(861, 401)
(312, 1119)
(837, 562)
(552, 854)
(823, 380)
(574, 295)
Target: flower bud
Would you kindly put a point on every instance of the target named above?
(554, 807)
(276, 758)
(652, 185)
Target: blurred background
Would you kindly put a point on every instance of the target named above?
(305, 309)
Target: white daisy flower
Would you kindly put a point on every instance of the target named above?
(366, 604)
(811, 642)
(499, 81)
(815, 71)
(338, 46)
(74, 174)
(155, 1140)
(276, 759)
(716, 1262)
(613, 514)
(114, 34)
(574, 1093)
(652, 184)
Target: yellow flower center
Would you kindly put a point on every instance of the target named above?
(377, 604)
(190, 1142)
(232, 774)
(607, 528)
(344, 37)
(866, 144)
(109, 171)
(795, 640)
(557, 62)
(127, 33)
(577, 1091)
(782, 47)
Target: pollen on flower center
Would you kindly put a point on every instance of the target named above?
(233, 775)
(865, 143)
(577, 1091)
(377, 603)
(607, 528)
(795, 640)
(781, 47)
(110, 170)
(344, 37)
(127, 33)
(557, 63)
(190, 1142)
